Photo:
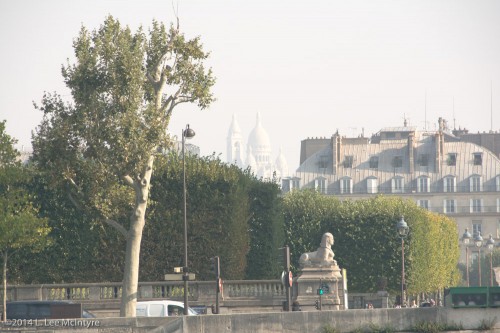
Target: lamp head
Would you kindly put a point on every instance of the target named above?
(466, 237)
(188, 132)
(478, 240)
(402, 228)
(490, 243)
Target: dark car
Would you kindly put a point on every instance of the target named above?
(46, 310)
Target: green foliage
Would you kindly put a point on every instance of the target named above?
(428, 327)
(487, 324)
(366, 243)
(82, 249)
(380, 329)
(20, 227)
(266, 231)
(329, 329)
(224, 205)
(19, 224)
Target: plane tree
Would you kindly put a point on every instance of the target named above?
(100, 144)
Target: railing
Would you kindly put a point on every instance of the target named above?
(199, 291)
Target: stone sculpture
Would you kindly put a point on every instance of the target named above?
(322, 257)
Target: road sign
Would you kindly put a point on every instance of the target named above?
(290, 279)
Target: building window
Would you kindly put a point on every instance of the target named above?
(423, 204)
(346, 185)
(285, 185)
(423, 160)
(498, 205)
(289, 184)
(374, 162)
(372, 185)
(476, 205)
(475, 183)
(476, 228)
(452, 159)
(348, 161)
(397, 184)
(423, 184)
(449, 184)
(450, 206)
(497, 181)
(320, 185)
(397, 162)
(478, 158)
(323, 162)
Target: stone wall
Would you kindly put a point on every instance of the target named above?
(397, 320)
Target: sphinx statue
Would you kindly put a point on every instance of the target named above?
(322, 257)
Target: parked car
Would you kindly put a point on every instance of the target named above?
(161, 308)
(46, 310)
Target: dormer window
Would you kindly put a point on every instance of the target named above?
(371, 185)
(346, 185)
(320, 185)
(373, 162)
(449, 184)
(423, 184)
(452, 159)
(348, 161)
(397, 184)
(478, 158)
(323, 162)
(475, 183)
(423, 160)
(397, 162)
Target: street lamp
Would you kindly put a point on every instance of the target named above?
(403, 230)
(490, 244)
(187, 133)
(478, 241)
(466, 237)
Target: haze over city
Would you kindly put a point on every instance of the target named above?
(309, 68)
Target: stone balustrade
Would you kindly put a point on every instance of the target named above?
(199, 291)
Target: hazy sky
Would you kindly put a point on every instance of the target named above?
(309, 67)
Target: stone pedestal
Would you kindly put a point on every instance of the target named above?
(309, 281)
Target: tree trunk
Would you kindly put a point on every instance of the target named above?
(4, 281)
(133, 249)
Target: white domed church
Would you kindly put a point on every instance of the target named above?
(257, 153)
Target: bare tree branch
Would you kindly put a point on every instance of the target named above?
(121, 229)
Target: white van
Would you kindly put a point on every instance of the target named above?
(161, 308)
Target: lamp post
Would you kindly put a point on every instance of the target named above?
(403, 230)
(478, 241)
(466, 237)
(490, 244)
(186, 133)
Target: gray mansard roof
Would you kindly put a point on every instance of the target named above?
(421, 154)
